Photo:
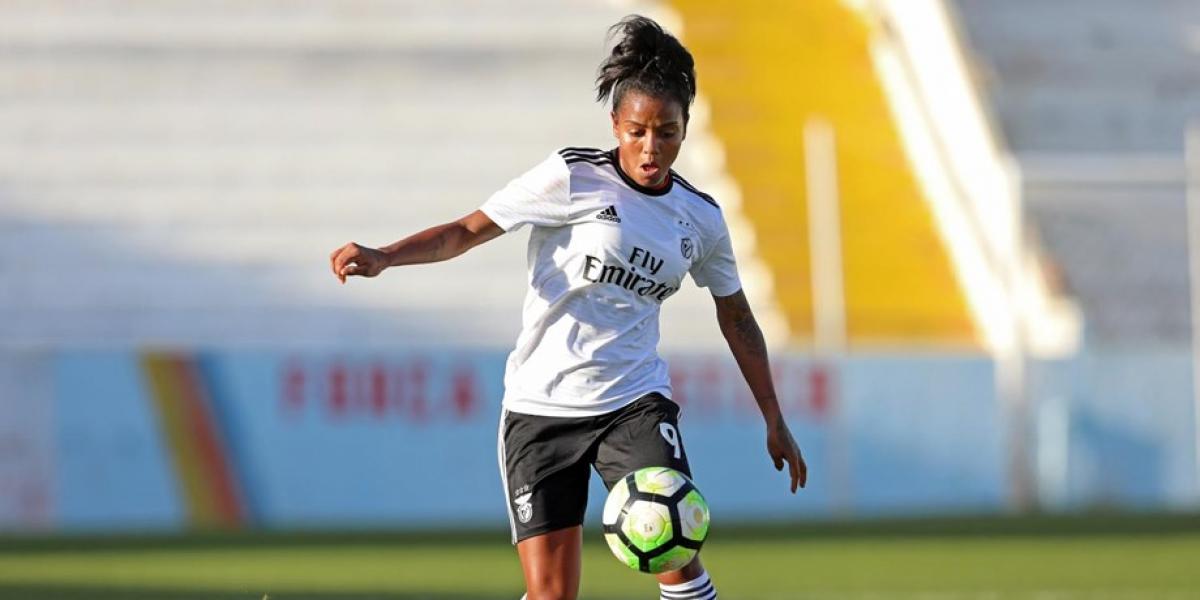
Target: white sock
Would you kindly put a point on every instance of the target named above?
(700, 588)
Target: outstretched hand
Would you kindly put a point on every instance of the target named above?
(353, 259)
(782, 448)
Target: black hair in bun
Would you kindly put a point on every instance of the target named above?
(649, 60)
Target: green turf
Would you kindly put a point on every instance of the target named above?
(1049, 559)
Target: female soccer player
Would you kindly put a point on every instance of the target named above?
(613, 234)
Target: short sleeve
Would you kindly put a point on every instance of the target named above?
(717, 269)
(541, 196)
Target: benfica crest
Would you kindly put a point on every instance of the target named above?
(524, 507)
(686, 247)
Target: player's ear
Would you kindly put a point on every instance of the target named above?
(613, 115)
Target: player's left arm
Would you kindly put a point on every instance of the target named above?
(749, 349)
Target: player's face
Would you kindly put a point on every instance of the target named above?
(649, 132)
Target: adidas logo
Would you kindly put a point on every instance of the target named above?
(609, 214)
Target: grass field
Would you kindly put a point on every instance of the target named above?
(1109, 557)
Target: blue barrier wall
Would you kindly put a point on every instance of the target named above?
(409, 439)
(1116, 428)
(115, 440)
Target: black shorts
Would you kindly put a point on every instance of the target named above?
(545, 461)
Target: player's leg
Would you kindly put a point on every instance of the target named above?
(545, 466)
(646, 434)
(548, 529)
(689, 583)
(551, 563)
(693, 571)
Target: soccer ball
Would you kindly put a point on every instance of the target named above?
(655, 520)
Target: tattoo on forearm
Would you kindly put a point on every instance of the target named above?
(750, 335)
(744, 328)
(749, 348)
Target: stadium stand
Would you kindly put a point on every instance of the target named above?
(766, 72)
(180, 169)
(175, 173)
(1094, 98)
(1088, 76)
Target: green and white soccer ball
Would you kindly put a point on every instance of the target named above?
(655, 520)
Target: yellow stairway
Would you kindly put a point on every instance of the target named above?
(765, 68)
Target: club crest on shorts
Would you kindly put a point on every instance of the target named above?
(524, 507)
(686, 247)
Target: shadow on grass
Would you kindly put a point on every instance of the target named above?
(63, 592)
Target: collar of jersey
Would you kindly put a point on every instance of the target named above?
(637, 187)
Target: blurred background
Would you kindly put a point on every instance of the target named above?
(964, 225)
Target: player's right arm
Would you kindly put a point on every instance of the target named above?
(438, 243)
(539, 197)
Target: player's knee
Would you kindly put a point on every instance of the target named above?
(555, 591)
(552, 587)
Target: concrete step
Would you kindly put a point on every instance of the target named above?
(505, 78)
(332, 24)
(1124, 256)
(251, 122)
(249, 246)
(220, 287)
(1097, 24)
(485, 161)
(324, 328)
(218, 206)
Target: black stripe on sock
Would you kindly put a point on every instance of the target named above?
(697, 594)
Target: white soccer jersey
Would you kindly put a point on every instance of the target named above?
(604, 254)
